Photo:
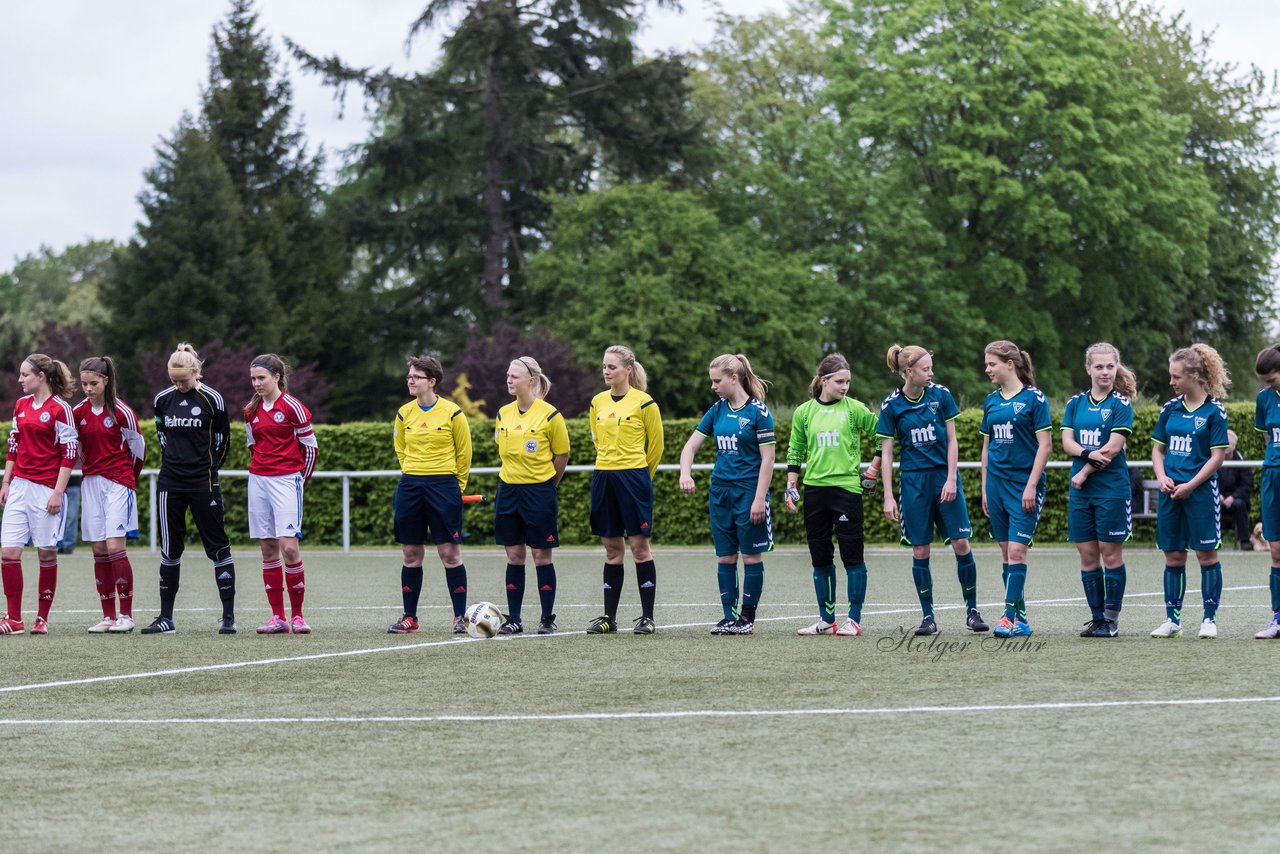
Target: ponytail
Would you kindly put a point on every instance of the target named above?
(831, 364)
(56, 374)
(105, 368)
(275, 365)
(1126, 383)
(1007, 351)
(738, 365)
(639, 379)
(531, 365)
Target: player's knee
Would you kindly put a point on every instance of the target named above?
(11, 553)
(289, 550)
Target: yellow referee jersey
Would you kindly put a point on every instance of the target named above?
(437, 441)
(529, 442)
(627, 433)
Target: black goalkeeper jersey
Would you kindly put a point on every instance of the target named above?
(195, 435)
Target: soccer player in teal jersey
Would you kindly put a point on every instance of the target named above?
(1190, 443)
(1015, 450)
(742, 428)
(825, 439)
(1095, 427)
(1266, 420)
(921, 416)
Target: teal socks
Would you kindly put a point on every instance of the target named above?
(967, 573)
(923, 578)
(857, 579)
(824, 588)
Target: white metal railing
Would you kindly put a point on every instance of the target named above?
(346, 476)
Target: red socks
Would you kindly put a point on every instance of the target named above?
(121, 576)
(296, 580)
(273, 583)
(48, 586)
(11, 576)
(106, 585)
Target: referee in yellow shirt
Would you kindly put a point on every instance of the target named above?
(626, 428)
(433, 444)
(533, 444)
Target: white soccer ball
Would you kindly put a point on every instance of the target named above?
(483, 620)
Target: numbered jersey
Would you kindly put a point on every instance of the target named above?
(1011, 425)
(1266, 420)
(1092, 422)
(1189, 436)
(738, 435)
(918, 426)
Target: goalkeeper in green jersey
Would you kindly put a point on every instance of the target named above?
(826, 440)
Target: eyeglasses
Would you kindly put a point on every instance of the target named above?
(414, 378)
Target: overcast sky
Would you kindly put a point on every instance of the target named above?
(90, 87)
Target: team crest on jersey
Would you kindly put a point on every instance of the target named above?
(743, 422)
(1105, 414)
(1018, 407)
(1200, 422)
(933, 407)
(531, 446)
(44, 417)
(195, 410)
(279, 417)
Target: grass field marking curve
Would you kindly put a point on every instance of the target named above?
(261, 662)
(666, 715)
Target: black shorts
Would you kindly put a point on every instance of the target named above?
(621, 503)
(428, 506)
(526, 514)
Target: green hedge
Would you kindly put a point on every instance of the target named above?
(679, 518)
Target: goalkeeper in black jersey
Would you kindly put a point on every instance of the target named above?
(194, 432)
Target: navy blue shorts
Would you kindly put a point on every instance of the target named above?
(1270, 503)
(1009, 522)
(1106, 518)
(525, 514)
(621, 503)
(428, 506)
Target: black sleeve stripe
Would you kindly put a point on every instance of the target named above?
(648, 403)
(455, 414)
(553, 414)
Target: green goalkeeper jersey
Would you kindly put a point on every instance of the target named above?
(826, 439)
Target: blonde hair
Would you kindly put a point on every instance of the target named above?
(531, 365)
(900, 358)
(1204, 363)
(829, 365)
(185, 358)
(639, 379)
(1007, 351)
(737, 364)
(1126, 383)
(56, 374)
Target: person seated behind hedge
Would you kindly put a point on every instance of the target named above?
(1236, 487)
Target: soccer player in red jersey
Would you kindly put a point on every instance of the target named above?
(42, 450)
(112, 452)
(283, 447)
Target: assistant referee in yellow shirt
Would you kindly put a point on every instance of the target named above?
(626, 428)
(533, 444)
(433, 444)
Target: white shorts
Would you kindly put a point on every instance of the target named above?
(275, 506)
(26, 516)
(107, 509)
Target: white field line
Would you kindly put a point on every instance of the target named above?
(262, 662)
(611, 716)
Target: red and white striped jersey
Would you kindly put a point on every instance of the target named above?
(110, 447)
(280, 438)
(42, 439)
